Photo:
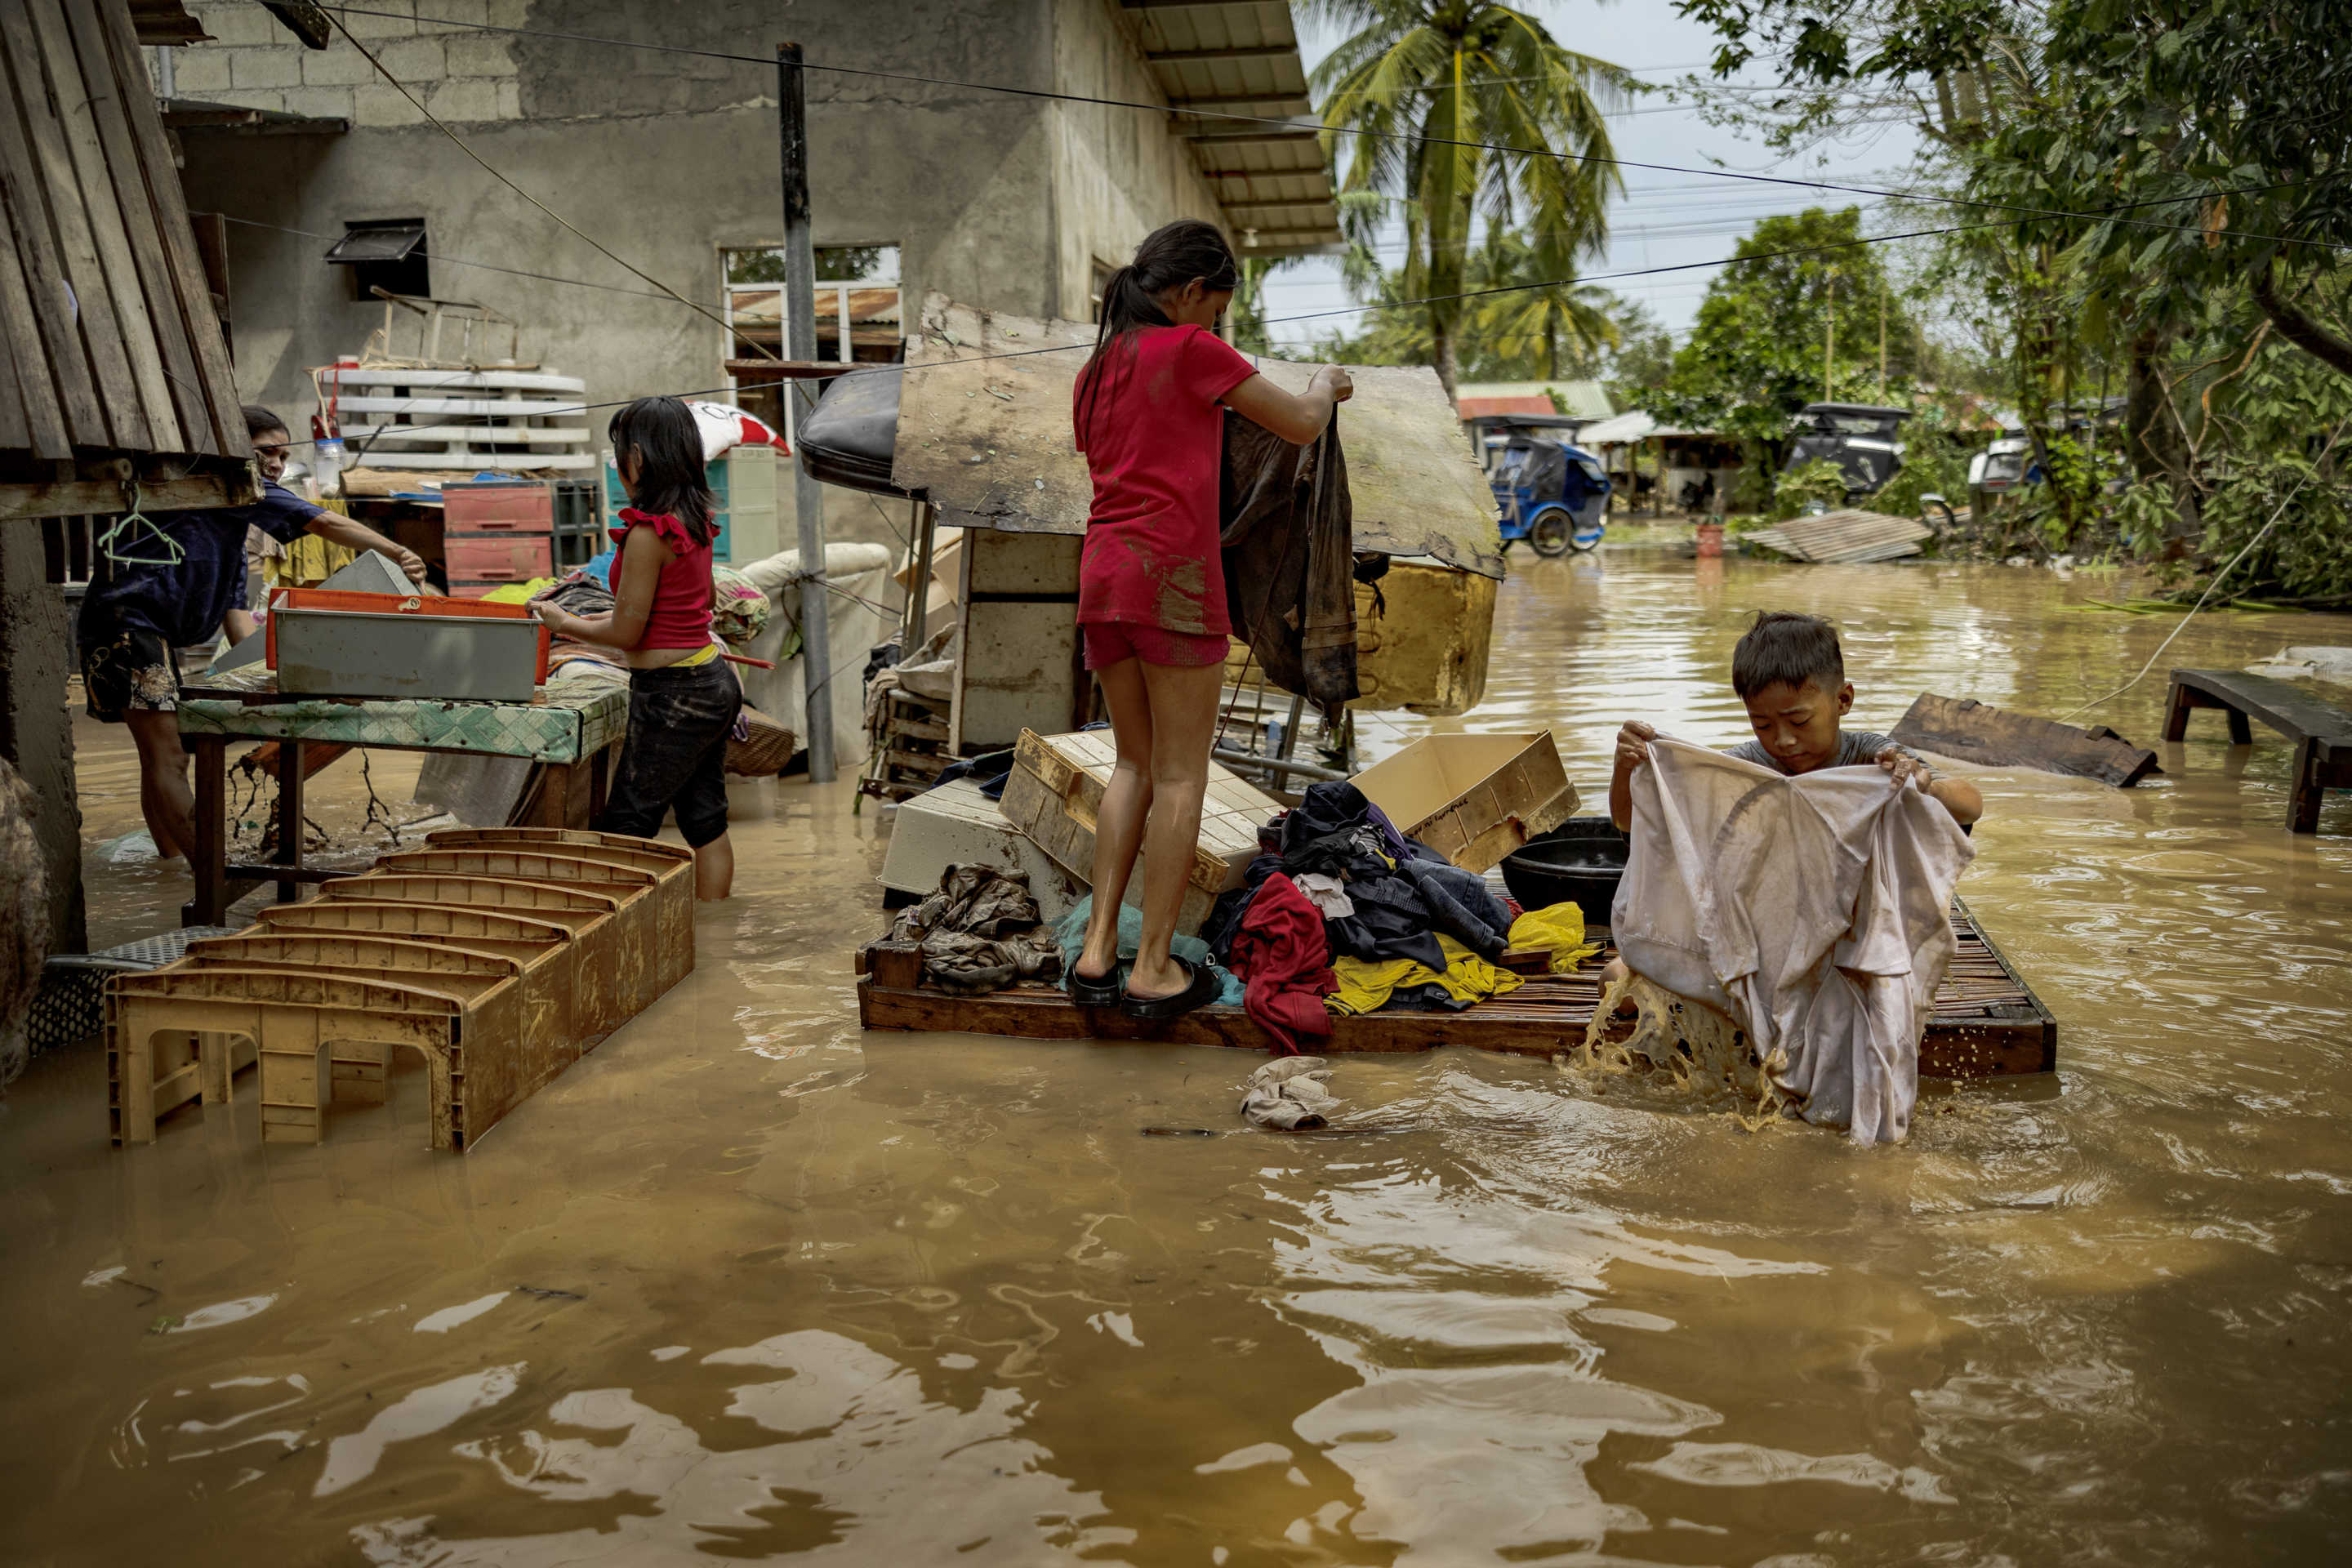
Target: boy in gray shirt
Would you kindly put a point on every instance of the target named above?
(1791, 673)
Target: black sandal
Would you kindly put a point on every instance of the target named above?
(1103, 990)
(1199, 990)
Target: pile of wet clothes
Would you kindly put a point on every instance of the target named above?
(1341, 913)
(981, 932)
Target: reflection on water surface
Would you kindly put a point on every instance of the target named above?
(743, 1285)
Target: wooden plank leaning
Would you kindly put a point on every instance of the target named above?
(53, 373)
(89, 241)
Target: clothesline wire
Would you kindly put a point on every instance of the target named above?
(1353, 309)
(1273, 120)
(2263, 532)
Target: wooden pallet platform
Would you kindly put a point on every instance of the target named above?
(1988, 1023)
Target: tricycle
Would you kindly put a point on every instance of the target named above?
(1552, 495)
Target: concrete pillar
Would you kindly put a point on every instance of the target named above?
(37, 652)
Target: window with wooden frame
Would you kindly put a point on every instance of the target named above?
(859, 316)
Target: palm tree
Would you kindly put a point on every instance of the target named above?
(1546, 311)
(1429, 88)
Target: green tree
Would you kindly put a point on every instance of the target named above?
(1793, 320)
(1430, 86)
(1547, 325)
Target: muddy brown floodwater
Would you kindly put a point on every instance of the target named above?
(744, 1284)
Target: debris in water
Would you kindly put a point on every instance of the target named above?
(1288, 1094)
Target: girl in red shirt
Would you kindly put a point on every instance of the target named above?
(1150, 415)
(682, 697)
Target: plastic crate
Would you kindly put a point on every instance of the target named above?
(495, 507)
(616, 497)
(579, 523)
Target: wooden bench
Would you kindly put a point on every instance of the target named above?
(2321, 731)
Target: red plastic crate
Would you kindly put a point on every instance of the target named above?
(497, 509)
(500, 558)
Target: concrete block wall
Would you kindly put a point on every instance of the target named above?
(462, 76)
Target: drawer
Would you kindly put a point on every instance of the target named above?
(497, 509)
(474, 559)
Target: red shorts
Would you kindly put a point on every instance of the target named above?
(1115, 642)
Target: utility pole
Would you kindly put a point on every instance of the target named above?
(800, 328)
(1829, 336)
(1882, 343)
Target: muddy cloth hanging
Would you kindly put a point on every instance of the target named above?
(980, 932)
(1282, 958)
(1288, 532)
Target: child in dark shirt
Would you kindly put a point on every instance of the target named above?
(1791, 673)
(182, 593)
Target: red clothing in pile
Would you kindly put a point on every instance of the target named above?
(681, 613)
(1147, 416)
(1282, 957)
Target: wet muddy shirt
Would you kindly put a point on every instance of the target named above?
(1153, 432)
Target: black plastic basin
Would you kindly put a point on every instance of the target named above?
(1580, 862)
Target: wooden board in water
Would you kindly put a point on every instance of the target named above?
(1987, 1021)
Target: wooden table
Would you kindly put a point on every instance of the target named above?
(2321, 731)
(570, 729)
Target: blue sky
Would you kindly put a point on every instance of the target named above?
(1662, 219)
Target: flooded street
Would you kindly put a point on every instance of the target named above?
(747, 1284)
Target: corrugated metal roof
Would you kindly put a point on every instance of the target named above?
(1240, 57)
(1584, 399)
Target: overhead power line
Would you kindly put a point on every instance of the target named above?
(1222, 116)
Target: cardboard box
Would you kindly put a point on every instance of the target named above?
(1055, 794)
(1472, 798)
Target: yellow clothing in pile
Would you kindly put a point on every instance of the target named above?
(1559, 931)
(1366, 984)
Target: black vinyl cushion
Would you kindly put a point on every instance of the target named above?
(851, 436)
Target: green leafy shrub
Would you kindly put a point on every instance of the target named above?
(2308, 555)
(1819, 480)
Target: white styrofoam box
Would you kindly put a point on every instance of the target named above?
(1034, 565)
(754, 510)
(1018, 669)
(955, 825)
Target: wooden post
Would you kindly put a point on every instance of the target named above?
(919, 582)
(800, 328)
(208, 857)
(289, 815)
(37, 652)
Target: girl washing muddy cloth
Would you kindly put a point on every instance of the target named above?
(1150, 417)
(682, 699)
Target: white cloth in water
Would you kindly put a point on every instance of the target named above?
(1288, 1094)
(1327, 894)
(1812, 910)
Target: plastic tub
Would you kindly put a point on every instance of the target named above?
(1580, 862)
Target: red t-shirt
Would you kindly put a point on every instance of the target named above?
(1154, 440)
